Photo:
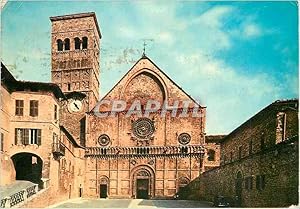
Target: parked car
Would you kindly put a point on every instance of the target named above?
(222, 201)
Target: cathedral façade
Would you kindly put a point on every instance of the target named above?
(150, 155)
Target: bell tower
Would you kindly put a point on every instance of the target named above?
(75, 51)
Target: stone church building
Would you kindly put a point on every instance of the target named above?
(136, 156)
(146, 154)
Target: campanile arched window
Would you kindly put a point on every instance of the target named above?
(84, 42)
(77, 43)
(59, 45)
(67, 44)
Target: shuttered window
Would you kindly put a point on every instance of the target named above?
(28, 136)
(19, 107)
(260, 182)
(34, 108)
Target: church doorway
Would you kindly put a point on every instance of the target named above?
(142, 182)
(28, 167)
(103, 190)
(103, 187)
(142, 188)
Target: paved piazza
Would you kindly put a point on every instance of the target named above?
(131, 203)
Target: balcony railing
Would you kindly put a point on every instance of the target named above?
(58, 149)
(18, 197)
(150, 151)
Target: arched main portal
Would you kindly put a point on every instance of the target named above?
(143, 183)
(182, 190)
(28, 167)
(103, 187)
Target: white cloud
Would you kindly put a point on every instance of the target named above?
(215, 16)
(252, 30)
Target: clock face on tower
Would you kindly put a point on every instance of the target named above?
(75, 105)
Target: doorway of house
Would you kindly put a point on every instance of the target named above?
(238, 189)
(142, 189)
(103, 190)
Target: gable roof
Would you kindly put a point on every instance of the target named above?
(278, 105)
(8, 80)
(161, 71)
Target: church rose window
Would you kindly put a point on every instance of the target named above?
(184, 138)
(103, 140)
(143, 128)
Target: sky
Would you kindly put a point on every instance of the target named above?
(234, 57)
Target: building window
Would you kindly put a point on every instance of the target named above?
(67, 44)
(262, 143)
(225, 159)
(249, 183)
(1, 141)
(59, 45)
(34, 108)
(240, 152)
(19, 107)
(55, 138)
(250, 147)
(35, 136)
(84, 43)
(260, 182)
(211, 155)
(27, 136)
(55, 112)
(77, 43)
(69, 87)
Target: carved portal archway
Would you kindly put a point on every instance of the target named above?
(103, 187)
(142, 182)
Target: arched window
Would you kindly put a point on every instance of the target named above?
(84, 43)
(67, 44)
(211, 155)
(77, 43)
(59, 45)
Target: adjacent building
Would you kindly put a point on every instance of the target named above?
(259, 161)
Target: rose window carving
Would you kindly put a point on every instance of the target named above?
(184, 138)
(143, 128)
(103, 140)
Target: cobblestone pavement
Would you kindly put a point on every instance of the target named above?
(131, 203)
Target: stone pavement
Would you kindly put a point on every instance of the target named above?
(13, 188)
(131, 203)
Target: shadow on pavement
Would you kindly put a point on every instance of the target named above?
(176, 203)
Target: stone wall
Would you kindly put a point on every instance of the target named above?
(259, 161)
(279, 165)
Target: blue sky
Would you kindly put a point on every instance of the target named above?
(235, 57)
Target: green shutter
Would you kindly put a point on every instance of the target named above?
(25, 136)
(16, 136)
(31, 108)
(39, 136)
(36, 108)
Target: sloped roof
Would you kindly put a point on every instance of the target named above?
(78, 15)
(278, 104)
(12, 84)
(161, 71)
